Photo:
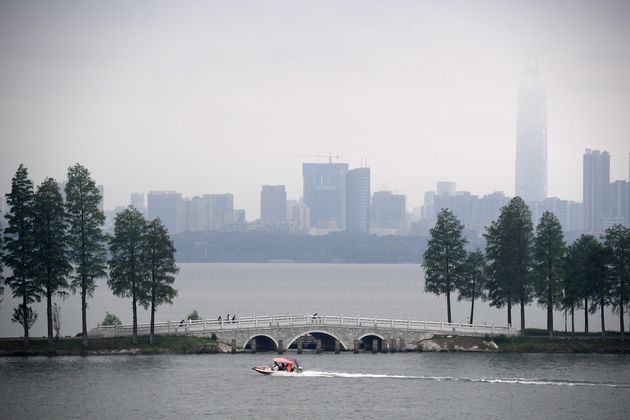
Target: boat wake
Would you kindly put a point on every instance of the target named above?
(519, 381)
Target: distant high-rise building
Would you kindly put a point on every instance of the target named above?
(273, 205)
(596, 178)
(167, 205)
(220, 210)
(531, 136)
(445, 188)
(358, 200)
(389, 210)
(619, 202)
(325, 194)
(137, 200)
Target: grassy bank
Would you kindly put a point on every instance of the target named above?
(117, 345)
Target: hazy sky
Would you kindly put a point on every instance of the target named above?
(222, 96)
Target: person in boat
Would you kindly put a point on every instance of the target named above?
(289, 367)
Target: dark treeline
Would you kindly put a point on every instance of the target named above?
(52, 247)
(265, 246)
(523, 263)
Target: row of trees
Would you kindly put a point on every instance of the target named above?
(52, 247)
(522, 264)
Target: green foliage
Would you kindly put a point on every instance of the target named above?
(159, 255)
(509, 246)
(22, 313)
(193, 316)
(128, 270)
(110, 319)
(86, 239)
(19, 245)
(617, 241)
(473, 282)
(549, 250)
(51, 263)
(443, 261)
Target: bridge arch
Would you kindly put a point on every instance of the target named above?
(264, 342)
(320, 332)
(366, 341)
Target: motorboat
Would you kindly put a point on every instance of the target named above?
(280, 364)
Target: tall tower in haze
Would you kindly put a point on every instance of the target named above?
(531, 136)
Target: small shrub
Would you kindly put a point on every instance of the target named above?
(110, 319)
(193, 316)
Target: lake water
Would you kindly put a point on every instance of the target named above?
(402, 385)
(368, 290)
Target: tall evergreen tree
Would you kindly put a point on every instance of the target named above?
(549, 250)
(472, 284)
(572, 280)
(159, 254)
(509, 249)
(86, 238)
(128, 270)
(617, 240)
(585, 270)
(50, 258)
(19, 245)
(444, 258)
(600, 286)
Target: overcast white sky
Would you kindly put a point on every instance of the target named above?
(222, 96)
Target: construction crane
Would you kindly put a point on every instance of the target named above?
(329, 156)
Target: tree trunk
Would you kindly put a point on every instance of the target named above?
(549, 312)
(448, 306)
(49, 318)
(134, 339)
(472, 309)
(572, 319)
(601, 305)
(25, 314)
(621, 303)
(586, 315)
(84, 313)
(152, 317)
(509, 311)
(522, 314)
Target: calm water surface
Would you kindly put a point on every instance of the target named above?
(393, 290)
(410, 385)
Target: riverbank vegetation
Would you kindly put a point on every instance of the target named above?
(53, 246)
(112, 346)
(522, 264)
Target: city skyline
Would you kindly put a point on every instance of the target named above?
(140, 99)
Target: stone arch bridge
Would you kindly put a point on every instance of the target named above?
(280, 332)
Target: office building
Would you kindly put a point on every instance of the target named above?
(389, 211)
(325, 194)
(358, 200)
(167, 205)
(596, 180)
(137, 201)
(273, 205)
(531, 136)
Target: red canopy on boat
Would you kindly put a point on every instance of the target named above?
(285, 361)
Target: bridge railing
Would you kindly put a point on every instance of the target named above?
(275, 321)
